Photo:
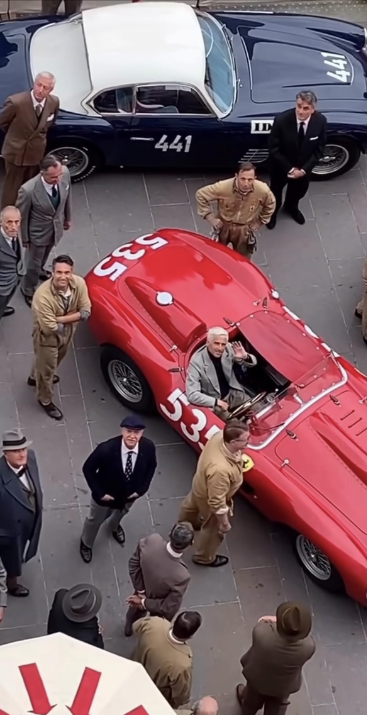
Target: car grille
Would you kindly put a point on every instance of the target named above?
(256, 156)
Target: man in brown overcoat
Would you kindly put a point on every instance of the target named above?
(281, 645)
(25, 119)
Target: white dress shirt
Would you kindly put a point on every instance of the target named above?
(125, 451)
(305, 123)
(8, 239)
(48, 187)
(35, 101)
(24, 479)
(172, 552)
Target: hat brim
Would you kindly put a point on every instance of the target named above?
(17, 447)
(81, 617)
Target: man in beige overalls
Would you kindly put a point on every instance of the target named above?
(361, 309)
(244, 205)
(58, 305)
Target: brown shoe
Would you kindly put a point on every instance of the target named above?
(239, 692)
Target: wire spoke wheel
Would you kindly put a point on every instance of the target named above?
(75, 158)
(334, 159)
(313, 559)
(125, 381)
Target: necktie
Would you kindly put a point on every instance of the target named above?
(15, 247)
(38, 110)
(301, 133)
(55, 191)
(129, 466)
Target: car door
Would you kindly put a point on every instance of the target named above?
(172, 126)
(115, 105)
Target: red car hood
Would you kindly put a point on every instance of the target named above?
(336, 436)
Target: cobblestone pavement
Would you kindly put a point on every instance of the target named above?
(317, 268)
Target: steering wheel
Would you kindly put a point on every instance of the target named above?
(246, 406)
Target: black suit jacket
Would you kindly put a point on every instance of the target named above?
(87, 632)
(283, 142)
(105, 475)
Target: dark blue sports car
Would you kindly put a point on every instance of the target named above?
(161, 84)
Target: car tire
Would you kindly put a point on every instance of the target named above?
(317, 565)
(118, 368)
(81, 159)
(344, 153)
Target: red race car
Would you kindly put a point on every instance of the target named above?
(153, 301)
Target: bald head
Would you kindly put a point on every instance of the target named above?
(43, 85)
(10, 221)
(206, 706)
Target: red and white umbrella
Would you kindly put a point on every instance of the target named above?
(61, 675)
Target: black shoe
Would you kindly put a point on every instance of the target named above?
(119, 535)
(358, 314)
(52, 411)
(85, 552)
(218, 561)
(272, 222)
(27, 298)
(8, 311)
(32, 383)
(295, 214)
(19, 591)
(45, 275)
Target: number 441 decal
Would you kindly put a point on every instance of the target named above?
(178, 144)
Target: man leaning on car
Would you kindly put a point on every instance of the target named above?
(244, 205)
(211, 380)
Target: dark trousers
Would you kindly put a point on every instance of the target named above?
(253, 701)
(36, 260)
(296, 189)
(15, 176)
(4, 301)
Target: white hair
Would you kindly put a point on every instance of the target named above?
(206, 706)
(46, 75)
(6, 210)
(217, 332)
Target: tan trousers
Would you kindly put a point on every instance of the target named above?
(362, 310)
(197, 512)
(15, 176)
(237, 235)
(46, 361)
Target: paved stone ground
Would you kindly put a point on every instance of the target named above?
(318, 271)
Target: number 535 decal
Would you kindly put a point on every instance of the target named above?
(178, 144)
(177, 400)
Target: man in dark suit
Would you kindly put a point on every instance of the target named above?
(118, 472)
(20, 507)
(297, 142)
(12, 263)
(25, 119)
(159, 576)
(74, 612)
(281, 645)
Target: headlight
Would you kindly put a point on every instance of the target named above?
(364, 48)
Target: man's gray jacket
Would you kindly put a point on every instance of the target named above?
(12, 267)
(202, 385)
(42, 224)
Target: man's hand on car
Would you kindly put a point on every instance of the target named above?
(223, 405)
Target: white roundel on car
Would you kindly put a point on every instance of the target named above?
(164, 298)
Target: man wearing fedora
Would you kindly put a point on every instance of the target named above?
(118, 472)
(20, 507)
(281, 645)
(74, 612)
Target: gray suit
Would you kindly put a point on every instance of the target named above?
(42, 224)
(163, 578)
(202, 385)
(11, 270)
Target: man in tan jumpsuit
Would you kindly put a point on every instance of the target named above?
(361, 309)
(244, 205)
(218, 476)
(58, 305)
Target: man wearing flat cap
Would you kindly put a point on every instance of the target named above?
(118, 472)
(20, 508)
(159, 576)
(281, 645)
(74, 612)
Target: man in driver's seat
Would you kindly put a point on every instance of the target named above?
(211, 380)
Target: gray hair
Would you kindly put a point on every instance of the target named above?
(182, 535)
(308, 96)
(46, 75)
(206, 706)
(217, 332)
(6, 210)
(50, 160)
